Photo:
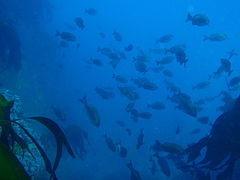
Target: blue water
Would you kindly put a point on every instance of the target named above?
(54, 75)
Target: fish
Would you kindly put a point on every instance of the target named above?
(144, 115)
(145, 83)
(128, 47)
(165, 60)
(78, 139)
(140, 67)
(91, 112)
(134, 174)
(168, 73)
(129, 107)
(184, 103)
(103, 93)
(129, 92)
(96, 61)
(201, 85)
(162, 162)
(167, 147)
(91, 11)
(121, 150)
(156, 105)
(140, 139)
(179, 52)
(153, 168)
(59, 113)
(79, 22)
(67, 36)
(234, 81)
(117, 36)
(216, 37)
(110, 143)
(120, 79)
(165, 38)
(198, 19)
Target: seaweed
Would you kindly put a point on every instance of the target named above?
(9, 136)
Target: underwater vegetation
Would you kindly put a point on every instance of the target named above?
(11, 167)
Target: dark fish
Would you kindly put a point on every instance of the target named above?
(234, 81)
(91, 112)
(179, 52)
(120, 78)
(145, 115)
(121, 150)
(201, 85)
(129, 93)
(129, 107)
(59, 113)
(96, 61)
(225, 66)
(198, 19)
(140, 139)
(141, 67)
(165, 60)
(117, 36)
(167, 147)
(168, 73)
(184, 103)
(134, 173)
(129, 47)
(110, 143)
(78, 139)
(162, 162)
(104, 93)
(165, 38)
(216, 37)
(145, 84)
(79, 22)
(203, 120)
(156, 105)
(153, 168)
(67, 36)
(91, 11)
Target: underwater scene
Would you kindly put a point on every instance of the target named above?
(123, 90)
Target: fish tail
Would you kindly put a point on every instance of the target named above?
(83, 99)
(189, 17)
